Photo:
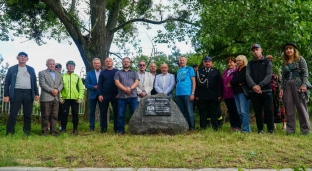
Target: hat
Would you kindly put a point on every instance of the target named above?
(289, 44)
(58, 65)
(255, 46)
(70, 63)
(207, 58)
(22, 53)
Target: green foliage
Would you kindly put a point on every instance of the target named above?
(230, 27)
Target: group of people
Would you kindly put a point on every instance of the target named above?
(274, 97)
(59, 93)
(241, 82)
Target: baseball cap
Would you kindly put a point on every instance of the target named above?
(58, 65)
(22, 53)
(289, 44)
(207, 58)
(255, 46)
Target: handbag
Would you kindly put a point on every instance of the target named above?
(246, 91)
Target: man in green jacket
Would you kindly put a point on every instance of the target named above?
(71, 95)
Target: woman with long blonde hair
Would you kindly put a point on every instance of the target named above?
(294, 89)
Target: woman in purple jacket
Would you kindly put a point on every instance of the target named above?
(228, 94)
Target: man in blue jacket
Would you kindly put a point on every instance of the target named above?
(20, 88)
(92, 84)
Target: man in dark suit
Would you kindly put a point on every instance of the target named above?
(92, 84)
(208, 93)
(51, 85)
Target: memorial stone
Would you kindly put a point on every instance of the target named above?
(157, 114)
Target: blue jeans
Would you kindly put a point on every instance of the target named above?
(93, 103)
(242, 105)
(186, 107)
(122, 106)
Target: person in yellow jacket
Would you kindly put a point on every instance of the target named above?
(71, 95)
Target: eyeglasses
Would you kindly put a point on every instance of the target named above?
(141, 65)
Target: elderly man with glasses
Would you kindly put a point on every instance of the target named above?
(146, 81)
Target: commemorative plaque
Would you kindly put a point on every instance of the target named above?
(157, 106)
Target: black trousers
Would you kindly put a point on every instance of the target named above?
(103, 115)
(235, 120)
(60, 112)
(263, 103)
(74, 108)
(208, 108)
(21, 97)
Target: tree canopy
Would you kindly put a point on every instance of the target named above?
(229, 28)
(93, 28)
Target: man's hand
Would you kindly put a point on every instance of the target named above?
(229, 85)
(95, 87)
(101, 98)
(257, 89)
(127, 91)
(6, 99)
(143, 94)
(54, 92)
(79, 101)
(219, 98)
(36, 98)
(192, 97)
(62, 100)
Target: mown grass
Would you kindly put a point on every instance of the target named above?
(196, 149)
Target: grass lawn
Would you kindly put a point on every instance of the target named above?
(196, 149)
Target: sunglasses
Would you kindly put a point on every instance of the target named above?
(58, 66)
(142, 65)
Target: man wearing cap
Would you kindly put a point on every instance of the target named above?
(51, 84)
(185, 91)
(58, 68)
(72, 94)
(258, 77)
(208, 93)
(92, 84)
(20, 88)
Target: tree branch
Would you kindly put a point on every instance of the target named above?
(150, 22)
(73, 5)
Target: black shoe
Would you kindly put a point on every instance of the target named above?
(44, 134)
(271, 132)
(8, 133)
(260, 131)
(91, 129)
(27, 133)
(56, 134)
(103, 130)
(75, 132)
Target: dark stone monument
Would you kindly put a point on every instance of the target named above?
(157, 114)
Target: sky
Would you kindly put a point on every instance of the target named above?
(63, 52)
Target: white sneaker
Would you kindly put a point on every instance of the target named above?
(60, 128)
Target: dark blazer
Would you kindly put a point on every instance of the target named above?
(239, 77)
(47, 84)
(90, 83)
(214, 89)
(10, 80)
